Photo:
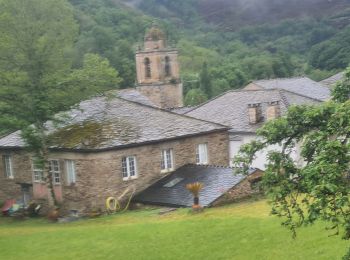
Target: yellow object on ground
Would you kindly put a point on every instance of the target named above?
(112, 204)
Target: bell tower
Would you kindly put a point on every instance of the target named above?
(157, 69)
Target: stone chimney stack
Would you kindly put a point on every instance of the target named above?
(273, 110)
(255, 113)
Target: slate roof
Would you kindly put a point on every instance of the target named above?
(135, 96)
(329, 82)
(231, 108)
(181, 110)
(302, 86)
(108, 122)
(216, 182)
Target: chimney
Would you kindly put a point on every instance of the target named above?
(254, 112)
(273, 110)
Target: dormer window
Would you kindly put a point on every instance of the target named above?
(255, 113)
(273, 110)
(148, 72)
(167, 67)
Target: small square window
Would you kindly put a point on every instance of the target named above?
(202, 154)
(7, 160)
(38, 174)
(71, 175)
(129, 169)
(54, 170)
(167, 162)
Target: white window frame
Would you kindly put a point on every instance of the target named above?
(71, 172)
(127, 168)
(167, 160)
(55, 173)
(8, 170)
(38, 174)
(202, 154)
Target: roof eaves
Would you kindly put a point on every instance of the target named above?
(94, 150)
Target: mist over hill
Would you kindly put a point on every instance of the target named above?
(232, 41)
(235, 13)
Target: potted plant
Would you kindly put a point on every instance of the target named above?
(195, 188)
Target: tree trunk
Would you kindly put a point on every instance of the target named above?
(196, 201)
(44, 151)
(49, 179)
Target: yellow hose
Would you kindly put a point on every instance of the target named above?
(112, 204)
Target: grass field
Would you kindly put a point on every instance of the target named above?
(241, 231)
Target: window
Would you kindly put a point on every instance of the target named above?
(202, 154)
(172, 183)
(167, 160)
(148, 73)
(167, 67)
(8, 166)
(38, 173)
(129, 168)
(54, 170)
(71, 176)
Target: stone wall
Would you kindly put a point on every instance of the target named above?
(22, 171)
(164, 95)
(99, 175)
(244, 189)
(157, 64)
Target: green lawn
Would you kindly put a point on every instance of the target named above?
(241, 231)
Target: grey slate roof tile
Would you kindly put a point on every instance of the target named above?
(134, 95)
(231, 108)
(329, 82)
(181, 110)
(107, 122)
(302, 85)
(216, 182)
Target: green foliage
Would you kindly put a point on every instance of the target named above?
(96, 76)
(37, 79)
(333, 53)
(205, 81)
(241, 231)
(318, 189)
(195, 97)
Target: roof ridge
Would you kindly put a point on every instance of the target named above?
(210, 166)
(227, 92)
(170, 112)
(296, 77)
(301, 95)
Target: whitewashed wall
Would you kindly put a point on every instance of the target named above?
(237, 140)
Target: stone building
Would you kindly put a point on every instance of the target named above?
(110, 145)
(157, 68)
(244, 111)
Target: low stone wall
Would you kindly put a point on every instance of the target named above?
(244, 189)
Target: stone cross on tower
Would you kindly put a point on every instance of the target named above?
(158, 71)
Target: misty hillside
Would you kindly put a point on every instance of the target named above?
(229, 42)
(232, 14)
(235, 13)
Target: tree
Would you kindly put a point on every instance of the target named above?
(318, 190)
(205, 80)
(36, 71)
(195, 97)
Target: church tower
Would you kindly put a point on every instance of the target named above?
(157, 69)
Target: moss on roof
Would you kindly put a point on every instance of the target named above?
(93, 134)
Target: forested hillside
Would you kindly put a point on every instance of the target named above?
(231, 41)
